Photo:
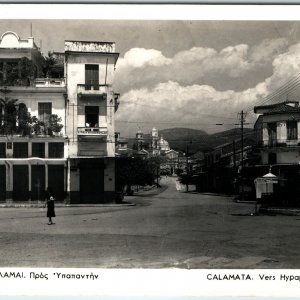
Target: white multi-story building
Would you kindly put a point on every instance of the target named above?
(278, 133)
(76, 160)
(92, 103)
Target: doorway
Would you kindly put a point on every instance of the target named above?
(2, 182)
(20, 182)
(56, 180)
(91, 182)
(38, 182)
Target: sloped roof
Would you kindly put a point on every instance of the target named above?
(282, 107)
(269, 175)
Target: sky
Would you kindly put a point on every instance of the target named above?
(191, 74)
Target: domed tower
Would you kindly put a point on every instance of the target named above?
(163, 145)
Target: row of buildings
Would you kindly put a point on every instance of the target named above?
(154, 145)
(57, 133)
(232, 168)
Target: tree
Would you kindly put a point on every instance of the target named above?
(27, 69)
(37, 126)
(135, 171)
(8, 113)
(19, 73)
(54, 125)
(15, 119)
(24, 121)
(53, 68)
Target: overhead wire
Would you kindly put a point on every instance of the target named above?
(286, 88)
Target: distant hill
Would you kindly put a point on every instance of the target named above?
(199, 140)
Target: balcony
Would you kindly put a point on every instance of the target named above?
(92, 131)
(282, 143)
(92, 90)
(49, 82)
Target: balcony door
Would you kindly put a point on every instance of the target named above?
(91, 116)
(92, 77)
(272, 132)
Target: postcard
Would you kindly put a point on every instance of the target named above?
(149, 150)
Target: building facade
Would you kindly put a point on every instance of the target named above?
(278, 133)
(92, 103)
(67, 142)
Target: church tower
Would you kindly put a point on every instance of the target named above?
(154, 136)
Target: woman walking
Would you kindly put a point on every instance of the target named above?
(50, 206)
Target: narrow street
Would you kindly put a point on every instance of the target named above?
(167, 228)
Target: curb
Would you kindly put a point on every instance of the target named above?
(281, 211)
(16, 205)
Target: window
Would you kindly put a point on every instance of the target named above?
(1, 114)
(272, 132)
(2, 150)
(91, 116)
(45, 110)
(38, 150)
(92, 76)
(292, 132)
(56, 150)
(20, 150)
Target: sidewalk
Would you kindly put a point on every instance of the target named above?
(40, 204)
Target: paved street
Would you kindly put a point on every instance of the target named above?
(165, 229)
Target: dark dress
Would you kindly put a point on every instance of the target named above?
(50, 210)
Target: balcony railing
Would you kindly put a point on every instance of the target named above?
(88, 89)
(37, 82)
(279, 143)
(92, 131)
(49, 82)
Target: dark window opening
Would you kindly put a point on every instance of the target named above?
(92, 77)
(1, 114)
(56, 150)
(2, 150)
(38, 150)
(272, 158)
(292, 130)
(91, 116)
(272, 132)
(20, 150)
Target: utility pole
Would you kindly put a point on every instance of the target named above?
(187, 167)
(242, 118)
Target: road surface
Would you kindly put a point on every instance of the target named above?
(167, 228)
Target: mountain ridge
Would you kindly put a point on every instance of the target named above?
(194, 140)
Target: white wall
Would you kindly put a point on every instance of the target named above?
(75, 74)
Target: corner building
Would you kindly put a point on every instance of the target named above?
(92, 103)
(78, 161)
(30, 163)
